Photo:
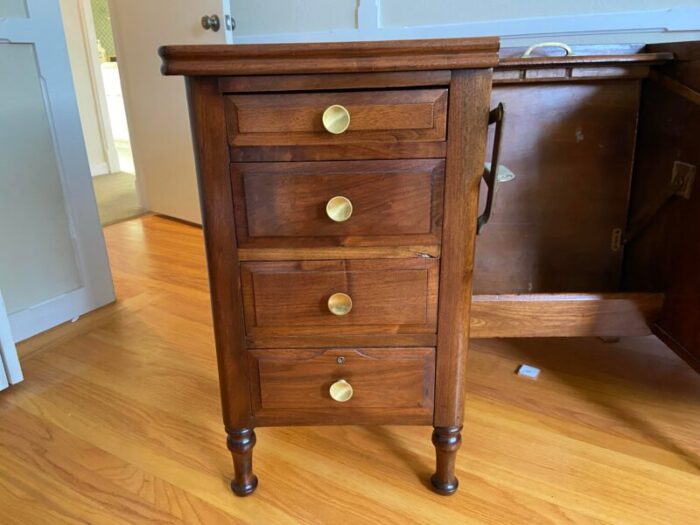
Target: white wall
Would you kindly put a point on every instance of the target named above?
(79, 34)
(518, 22)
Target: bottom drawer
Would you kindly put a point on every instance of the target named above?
(343, 385)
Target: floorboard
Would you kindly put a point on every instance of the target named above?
(118, 421)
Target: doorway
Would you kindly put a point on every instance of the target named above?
(95, 67)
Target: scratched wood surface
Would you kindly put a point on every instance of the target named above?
(118, 421)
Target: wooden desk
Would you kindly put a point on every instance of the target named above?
(340, 188)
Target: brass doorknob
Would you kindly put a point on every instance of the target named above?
(339, 209)
(341, 391)
(211, 22)
(339, 304)
(336, 119)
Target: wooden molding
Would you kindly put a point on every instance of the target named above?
(564, 315)
(261, 59)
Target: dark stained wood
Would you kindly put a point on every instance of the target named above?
(589, 62)
(211, 154)
(369, 151)
(295, 119)
(468, 120)
(394, 202)
(642, 59)
(240, 443)
(330, 57)
(348, 340)
(447, 441)
(291, 298)
(564, 315)
(338, 252)
(571, 148)
(666, 255)
(685, 68)
(262, 84)
(677, 87)
(381, 378)
(568, 74)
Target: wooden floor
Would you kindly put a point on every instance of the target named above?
(118, 422)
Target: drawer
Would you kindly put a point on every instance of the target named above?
(382, 296)
(342, 381)
(297, 119)
(280, 204)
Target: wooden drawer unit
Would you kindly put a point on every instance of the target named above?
(339, 215)
(340, 117)
(340, 297)
(338, 203)
(344, 385)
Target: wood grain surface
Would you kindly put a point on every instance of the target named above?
(330, 57)
(283, 204)
(571, 147)
(564, 315)
(295, 119)
(388, 296)
(391, 383)
(118, 421)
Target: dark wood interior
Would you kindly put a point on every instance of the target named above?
(593, 141)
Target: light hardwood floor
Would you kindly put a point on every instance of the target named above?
(118, 422)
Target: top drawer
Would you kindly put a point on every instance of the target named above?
(297, 119)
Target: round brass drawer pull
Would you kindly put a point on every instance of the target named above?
(341, 391)
(339, 209)
(339, 304)
(336, 119)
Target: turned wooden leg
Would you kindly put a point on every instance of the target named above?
(240, 442)
(447, 441)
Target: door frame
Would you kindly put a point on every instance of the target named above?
(44, 29)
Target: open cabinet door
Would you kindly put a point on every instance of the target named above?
(663, 252)
(53, 261)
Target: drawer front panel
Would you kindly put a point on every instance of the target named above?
(387, 296)
(296, 119)
(278, 202)
(379, 378)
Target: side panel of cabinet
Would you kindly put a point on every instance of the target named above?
(665, 256)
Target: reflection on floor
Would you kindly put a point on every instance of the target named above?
(118, 421)
(117, 198)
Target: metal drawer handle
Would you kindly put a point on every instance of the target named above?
(339, 304)
(561, 45)
(336, 119)
(341, 391)
(497, 116)
(339, 208)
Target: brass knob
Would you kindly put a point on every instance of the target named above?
(339, 304)
(341, 391)
(339, 209)
(336, 119)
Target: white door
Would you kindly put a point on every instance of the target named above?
(53, 262)
(156, 106)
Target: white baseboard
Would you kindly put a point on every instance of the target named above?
(10, 371)
(101, 168)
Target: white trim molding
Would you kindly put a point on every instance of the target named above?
(370, 27)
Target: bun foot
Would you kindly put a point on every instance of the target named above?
(444, 488)
(246, 489)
